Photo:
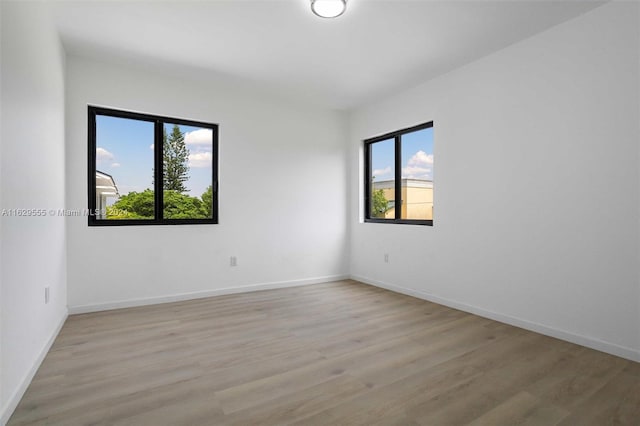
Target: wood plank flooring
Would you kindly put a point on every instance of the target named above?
(340, 353)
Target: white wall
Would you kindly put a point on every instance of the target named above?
(1, 206)
(536, 185)
(32, 176)
(283, 196)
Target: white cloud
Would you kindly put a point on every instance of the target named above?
(420, 159)
(115, 164)
(200, 144)
(419, 166)
(417, 173)
(200, 160)
(102, 155)
(382, 172)
(202, 139)
(151, 147)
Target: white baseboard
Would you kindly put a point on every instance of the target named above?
(589, 342)
(83, 309)
(17, 395)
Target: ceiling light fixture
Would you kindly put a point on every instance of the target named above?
(328, 8)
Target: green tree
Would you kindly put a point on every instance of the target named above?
(140, 205)
(175, 159)
(380, 204)
(207, 201)
(134, 205)
(114, 213)
(182, 206)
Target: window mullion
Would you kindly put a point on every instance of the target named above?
(398, 178)
(158, 172)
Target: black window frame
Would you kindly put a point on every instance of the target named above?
(397, 137)
(159, 122)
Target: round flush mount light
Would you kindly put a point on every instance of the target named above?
(328, 8)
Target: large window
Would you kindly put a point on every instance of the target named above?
(399, 176)
(150, 170)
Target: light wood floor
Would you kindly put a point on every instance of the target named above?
(332, 354)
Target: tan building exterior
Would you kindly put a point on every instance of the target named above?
(417, 198)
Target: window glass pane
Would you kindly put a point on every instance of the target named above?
(124, 168)
(382, 179)
(187, 172)
(417, 175)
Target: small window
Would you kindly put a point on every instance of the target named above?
(399, 176)
(151, 170)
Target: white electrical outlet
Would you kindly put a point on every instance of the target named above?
(46, 295)
(386, 258)
(233, 261)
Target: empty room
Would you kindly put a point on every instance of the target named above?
(319, 212)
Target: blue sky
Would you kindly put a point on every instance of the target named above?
(124, 149)
(417, 157)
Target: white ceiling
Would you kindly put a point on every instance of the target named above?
(377, 47)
